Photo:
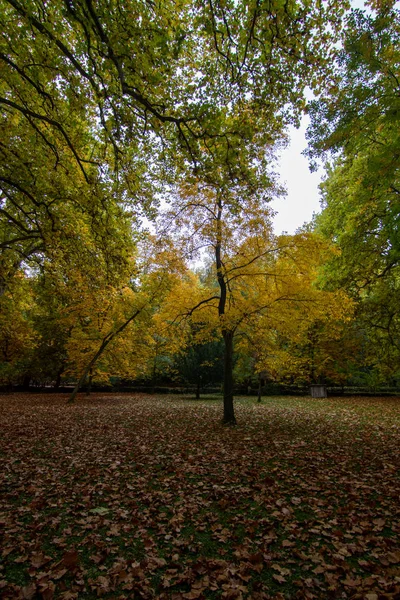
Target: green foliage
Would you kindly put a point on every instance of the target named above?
(201, 364)
(360, 118)
(17, 336)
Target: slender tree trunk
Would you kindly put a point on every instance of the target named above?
(229, 413)
(259, 387)
(58, 378)
(198, 390)
(89, 385)
(110, 336)
(227, 334)
(85, 373)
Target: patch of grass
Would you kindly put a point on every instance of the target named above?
(15, 573)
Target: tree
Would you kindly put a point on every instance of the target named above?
(359, 117)
(61, 177)
(51, 331)
(99, 319)
(302, 336)
(200, 362)
(269, 67)
(234, 227)
(260, 287)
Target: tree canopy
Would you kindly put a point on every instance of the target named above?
(137, 137)
(358, 121)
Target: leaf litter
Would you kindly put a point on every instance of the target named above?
(134, 496)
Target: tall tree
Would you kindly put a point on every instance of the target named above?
(270, 63)
(358, 120)
(300, 336)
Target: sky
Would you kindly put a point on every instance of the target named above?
(302, 199)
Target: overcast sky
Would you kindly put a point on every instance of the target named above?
(302, 198)
(302, 186)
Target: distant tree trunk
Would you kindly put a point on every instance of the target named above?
(57, 382)
(198, 390)
(229, 413)
(26, 382)
(260, 381)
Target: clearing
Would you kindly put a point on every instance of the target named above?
(133, 496)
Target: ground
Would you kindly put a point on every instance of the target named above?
(134, 496)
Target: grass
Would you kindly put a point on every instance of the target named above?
(152, 497)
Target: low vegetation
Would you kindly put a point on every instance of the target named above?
(152, 497)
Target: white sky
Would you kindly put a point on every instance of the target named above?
(302, 198)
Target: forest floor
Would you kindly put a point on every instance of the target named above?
(134, 496)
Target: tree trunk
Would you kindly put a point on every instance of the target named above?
(89, 384)
(88, 369)
(82, 380)
(57, 382)
(227, 334)
(229, 414)
(259, 387)
(26, 383)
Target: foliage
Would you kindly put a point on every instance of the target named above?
(303, 335)
(17, 339)
(201, 362)
(55, 186)
(360, 116)
(360, 194)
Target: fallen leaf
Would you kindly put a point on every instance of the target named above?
(279, 578)
(29, 591)
(70, 560)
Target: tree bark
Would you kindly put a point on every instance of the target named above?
(57, 382)
(85, 373)
(227, 334)
(259, 387)
(229, 413)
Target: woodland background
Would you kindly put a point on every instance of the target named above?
(138, 148)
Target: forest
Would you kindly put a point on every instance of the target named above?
(139, 143)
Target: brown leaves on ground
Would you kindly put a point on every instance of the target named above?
(151, 497)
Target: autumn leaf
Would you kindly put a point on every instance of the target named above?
(29, 591)
(39, 559)
(70, 560)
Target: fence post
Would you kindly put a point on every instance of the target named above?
(318, 391)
